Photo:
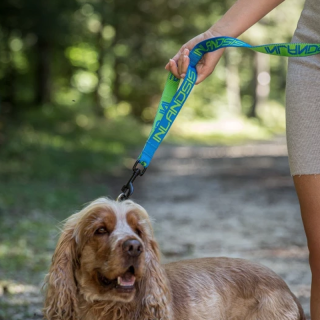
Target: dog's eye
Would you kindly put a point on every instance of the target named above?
(101, 230)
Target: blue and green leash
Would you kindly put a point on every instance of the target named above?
(174, 96)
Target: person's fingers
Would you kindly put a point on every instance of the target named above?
(186, 61)
(203, 71)
(207, 65)
(180, 62)
(174, 68)
(179, 53)
(189, 45)
(178, 65)
(183, 63)
(202, 76)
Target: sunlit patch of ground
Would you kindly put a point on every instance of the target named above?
(19, 301)
(225, 131)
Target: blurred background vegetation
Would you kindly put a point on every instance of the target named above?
(80, 81)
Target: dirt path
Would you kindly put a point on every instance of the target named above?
(215, 201)
(228, 201)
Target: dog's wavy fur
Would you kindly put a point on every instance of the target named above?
(199, 289)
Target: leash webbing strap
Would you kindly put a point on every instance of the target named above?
(174, 97)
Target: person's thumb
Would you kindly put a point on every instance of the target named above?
(207, 64)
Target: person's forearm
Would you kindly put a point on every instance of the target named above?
(242, 15)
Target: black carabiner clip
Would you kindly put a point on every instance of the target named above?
(127, 189)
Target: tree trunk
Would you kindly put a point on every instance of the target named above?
(232, 83)
(7, 99)
(98, 108)
(43, 85)
(261, 82)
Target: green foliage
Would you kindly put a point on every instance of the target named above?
(108, 52)
(65, 145)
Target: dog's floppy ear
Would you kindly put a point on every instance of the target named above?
(61, 302)
(157, 296)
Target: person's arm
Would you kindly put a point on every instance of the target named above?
(240, 17)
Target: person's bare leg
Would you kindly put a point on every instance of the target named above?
(308, 190)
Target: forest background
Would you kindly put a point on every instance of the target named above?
(80, 82)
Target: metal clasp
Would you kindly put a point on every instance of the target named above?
(127, 189)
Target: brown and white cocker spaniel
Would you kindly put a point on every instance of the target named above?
(106, 267)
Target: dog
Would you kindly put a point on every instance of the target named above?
(106, 266)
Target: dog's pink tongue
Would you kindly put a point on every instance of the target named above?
(127, 280)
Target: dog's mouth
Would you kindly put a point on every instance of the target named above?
(123, 283)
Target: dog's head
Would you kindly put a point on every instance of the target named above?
(112, 239)
(106, 252)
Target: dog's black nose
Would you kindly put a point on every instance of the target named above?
(132, 247)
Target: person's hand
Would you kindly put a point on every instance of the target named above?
(178, 65)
